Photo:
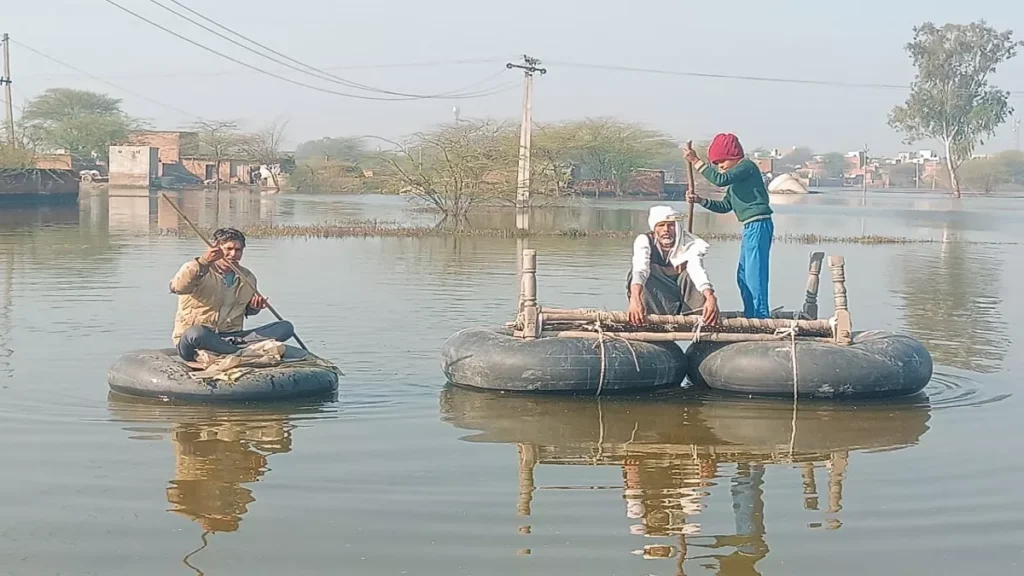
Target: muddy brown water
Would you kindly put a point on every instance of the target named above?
(402, 474)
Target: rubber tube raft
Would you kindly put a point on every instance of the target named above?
(877, 364)
(162, 374)
(494, 359)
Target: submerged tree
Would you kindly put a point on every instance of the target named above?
(454, 167)
(84, 123)
(950, 99)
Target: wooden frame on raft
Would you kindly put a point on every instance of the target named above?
(533, 321)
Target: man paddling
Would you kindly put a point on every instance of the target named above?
(668, 276)
(213, 302)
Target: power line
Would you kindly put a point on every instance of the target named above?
(316, 73)
(261, 71)
(740, 77)
(107, 82)
(190, 74)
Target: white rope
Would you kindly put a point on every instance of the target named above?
(791, 331)
(696, 332)
(601, 334)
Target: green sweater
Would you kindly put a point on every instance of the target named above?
(745, 192)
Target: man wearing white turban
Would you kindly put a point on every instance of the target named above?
(668, 276)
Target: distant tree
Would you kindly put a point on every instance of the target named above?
(84, 123)
(264, 146)
(216, 140)
(834, 164)
(350, 150)
(1012, 164)
(983, 174)
(13, 157)
(903, 175)
(950, 99)
(606, 149)
(454, 167)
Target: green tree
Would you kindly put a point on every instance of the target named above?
(350, 150)
(983, 174)
(1012, 164)
(605, 149)
(834, 164)
(950, 99)
(84, 123)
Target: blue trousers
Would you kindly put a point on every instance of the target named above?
(752, 272)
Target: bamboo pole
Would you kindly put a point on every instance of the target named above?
(844, 324)
(679, 336)
(691, 188)
(810, 309)
(232, 265)
(818, 326)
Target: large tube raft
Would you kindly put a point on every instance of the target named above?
(162, 374)
(877, 364)
(494, 359)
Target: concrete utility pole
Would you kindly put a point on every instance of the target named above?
(529, 68)
(865, 179)
(6, 81)
(1016, 133)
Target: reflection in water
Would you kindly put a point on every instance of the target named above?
(950, 298)
(217, 453)
(674, 450)
(6, 368)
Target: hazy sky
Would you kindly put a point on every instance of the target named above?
(847, 42)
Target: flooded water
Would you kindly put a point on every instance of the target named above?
(404, 475)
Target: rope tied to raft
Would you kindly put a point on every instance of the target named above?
(791, 331)
(601, 334)
(697, 328)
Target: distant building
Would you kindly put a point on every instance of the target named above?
(179, 157)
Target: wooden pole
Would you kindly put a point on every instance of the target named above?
(690, 188)
(844, 324)
(722, 314)
(678, 336)
(531, 314)
(811, 298)
(616, 317)
(241, 276)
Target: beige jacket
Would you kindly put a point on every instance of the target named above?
(204, 299)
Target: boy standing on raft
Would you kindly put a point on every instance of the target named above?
(747, 196)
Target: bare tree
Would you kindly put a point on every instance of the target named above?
(264, 146)
(454, 167)
(217, 140)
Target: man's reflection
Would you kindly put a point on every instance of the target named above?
(213, 461)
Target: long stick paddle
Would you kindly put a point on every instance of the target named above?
(229, 263)
(690, 188)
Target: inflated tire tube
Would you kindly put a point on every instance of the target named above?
(493, 359)
(877, 364)
(160, 374)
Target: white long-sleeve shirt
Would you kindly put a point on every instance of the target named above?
(689, 249)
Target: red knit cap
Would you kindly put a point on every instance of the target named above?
(725, 147)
